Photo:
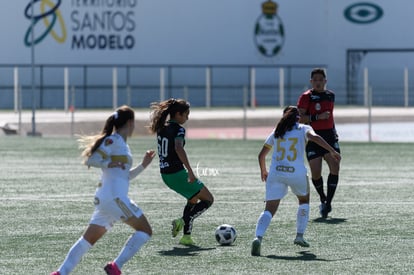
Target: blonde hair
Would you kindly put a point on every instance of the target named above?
(89, 144)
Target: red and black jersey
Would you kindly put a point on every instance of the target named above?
(316, 103)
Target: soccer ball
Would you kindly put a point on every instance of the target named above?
(225, 234)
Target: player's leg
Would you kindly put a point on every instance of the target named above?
(137, 220)
(92, 234)
(333, 179)
(315, 165)
(314, 154)
(302, 219)
(199, 199)
(262, 224)
(265, 217)
(275, 191)
(196, 206)
(300, 187)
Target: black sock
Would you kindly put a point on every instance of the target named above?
(192, 213)
(319, 188)
(332, 183)
(187, 209)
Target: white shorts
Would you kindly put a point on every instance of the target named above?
(108, 212)
(277, 186)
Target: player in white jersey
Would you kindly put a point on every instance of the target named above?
(287, 169)
(110, 152)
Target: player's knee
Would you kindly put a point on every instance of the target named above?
(303, 200)
(209, 202)
(149, 231)
(268, 214)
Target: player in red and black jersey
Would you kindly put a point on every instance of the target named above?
(316, 109)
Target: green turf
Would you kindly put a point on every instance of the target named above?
(46, 202)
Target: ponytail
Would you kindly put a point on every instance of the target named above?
(161, 110)
(116, 120)
(287, 122)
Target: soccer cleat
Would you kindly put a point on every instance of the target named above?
(256, 245)
(301, 242)
(328, 208)
(186, 240)
(177, 226)
(55, 273)
(112, 269)
(323, 210)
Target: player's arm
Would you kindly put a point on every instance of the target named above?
(262, 161)
(98, 159)
(146, 160)
(303, 104)
(182, 155)
(314, 137)
(304, 116)
(101, 158)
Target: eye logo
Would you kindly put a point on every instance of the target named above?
(363, 13)
(54, 13)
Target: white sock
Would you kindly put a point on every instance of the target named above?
(74, 256)
(131, 247)
(302, 218)
(263, 223)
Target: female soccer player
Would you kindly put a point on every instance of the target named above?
(110, 152)
(316, 109)
(174, 160)
(287, 169)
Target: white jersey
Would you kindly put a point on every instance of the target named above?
(288, 156)
(114, 181)
(288, 163)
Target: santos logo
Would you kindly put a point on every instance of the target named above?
(51, 12)
(94, 24)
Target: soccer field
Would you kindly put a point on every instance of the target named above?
(47, 200)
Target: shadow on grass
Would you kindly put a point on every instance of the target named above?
(192, 250)
(330, 220)
(304, 256)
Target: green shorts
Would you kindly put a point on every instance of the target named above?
(179, 183)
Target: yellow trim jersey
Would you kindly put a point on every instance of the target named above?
(114, 181)
(288, 158)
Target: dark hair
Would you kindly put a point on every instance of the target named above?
(287, 122)
(116, 120)
(318, 71)
(161, 110)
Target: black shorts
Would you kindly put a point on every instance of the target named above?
(313, 150)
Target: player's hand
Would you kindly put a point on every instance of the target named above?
(149, 155)
(264, 175)
(336, 155)
(191, 177)
(324, 115)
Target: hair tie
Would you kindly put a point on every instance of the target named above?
(115, 115)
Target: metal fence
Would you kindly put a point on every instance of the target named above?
(104, 86)
(61, 86)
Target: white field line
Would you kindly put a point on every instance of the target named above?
(89, 198)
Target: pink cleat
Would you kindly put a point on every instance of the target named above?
(112, 269)
(55, 273)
